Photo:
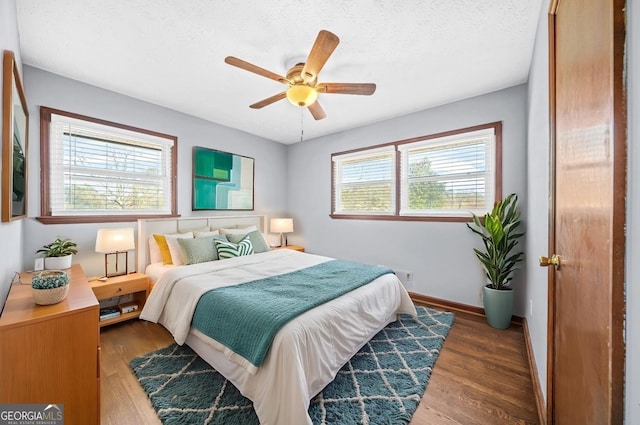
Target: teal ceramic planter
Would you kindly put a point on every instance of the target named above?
(498, 306)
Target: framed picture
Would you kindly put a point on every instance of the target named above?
(15, 139)
(222, 180)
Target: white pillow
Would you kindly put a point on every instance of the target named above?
(174, 247)
(202, 234)
(154, 251)
(243, 231)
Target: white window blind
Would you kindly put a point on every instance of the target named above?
(364, 182)
(97, 169)
(448, 176)
(441, 177)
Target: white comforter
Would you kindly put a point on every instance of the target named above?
(307, 352)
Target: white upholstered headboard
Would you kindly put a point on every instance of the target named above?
(148, 227)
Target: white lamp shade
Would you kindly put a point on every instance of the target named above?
(114, 240)
(281, 225)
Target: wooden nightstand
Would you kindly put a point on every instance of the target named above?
(293, 247)
(134, 283)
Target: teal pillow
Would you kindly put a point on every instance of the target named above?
(256, 238)
(230, 249)
(198, 250)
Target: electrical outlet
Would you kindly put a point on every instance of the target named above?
(530, 307)
(38, 264)
(406, 277)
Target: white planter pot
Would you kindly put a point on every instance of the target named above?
(57, 263)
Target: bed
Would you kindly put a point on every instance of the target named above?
(305, 354)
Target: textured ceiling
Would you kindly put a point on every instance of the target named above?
(420, 53)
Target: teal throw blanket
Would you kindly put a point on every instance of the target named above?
(246, 317)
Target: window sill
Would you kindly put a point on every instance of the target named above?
(401, 218)
(71, 219)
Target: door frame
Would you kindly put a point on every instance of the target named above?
(553, 9)
(616, 412)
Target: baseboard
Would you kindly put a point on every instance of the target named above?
(451, 305)
(537, 388)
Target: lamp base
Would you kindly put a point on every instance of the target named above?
(116, 273)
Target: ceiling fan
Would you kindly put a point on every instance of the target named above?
(302, 78)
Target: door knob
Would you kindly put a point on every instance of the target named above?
(553, 261)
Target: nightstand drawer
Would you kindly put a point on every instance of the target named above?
(293, 247)
(109, 290)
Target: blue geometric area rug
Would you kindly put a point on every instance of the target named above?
(382, 384)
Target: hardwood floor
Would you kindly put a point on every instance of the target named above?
(481, 376)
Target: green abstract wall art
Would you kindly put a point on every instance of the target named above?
(222, 180)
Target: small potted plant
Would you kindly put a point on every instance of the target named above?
(50, 286)
(58, 254)
(499, 230)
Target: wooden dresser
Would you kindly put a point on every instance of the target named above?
(51, 354)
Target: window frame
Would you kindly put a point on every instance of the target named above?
(397, 216)
(46, 216)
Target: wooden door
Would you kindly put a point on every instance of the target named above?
(586, 348)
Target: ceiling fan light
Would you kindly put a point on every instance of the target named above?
(301, 95)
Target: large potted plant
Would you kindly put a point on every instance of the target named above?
(58, 254)
(500, 233)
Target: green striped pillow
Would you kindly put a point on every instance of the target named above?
(230, 249)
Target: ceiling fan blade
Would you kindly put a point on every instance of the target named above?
(325, 44)
(269, 100)
(347, 88)
(317, 111)
(254, 68)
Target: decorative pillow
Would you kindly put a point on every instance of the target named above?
(244, 231)
(169, 248)
(198, 250)
(257, 240)
(230, 249)
(174, 247)
(154, 251)
(204, 234)
(165, 254)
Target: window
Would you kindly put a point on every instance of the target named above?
(97, 171)
(445, 176)
(364, 181)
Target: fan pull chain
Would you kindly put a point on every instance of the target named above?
(301, 123)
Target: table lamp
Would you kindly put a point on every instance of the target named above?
(282, 226)
(115, 242)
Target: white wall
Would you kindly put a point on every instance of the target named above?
(439, 254)
(10, 233)
(538, 195)
(47, 89)
(632, 393)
